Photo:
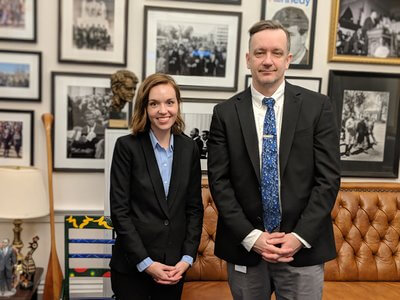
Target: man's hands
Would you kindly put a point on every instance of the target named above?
(277, 246)
(164, 274)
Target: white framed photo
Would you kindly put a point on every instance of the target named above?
(20, 75)
(18, 21)
(81, 107)
(16, 137)
(198, 48)
(93, 31)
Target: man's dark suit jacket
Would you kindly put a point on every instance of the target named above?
(309, 174)
(147, 223)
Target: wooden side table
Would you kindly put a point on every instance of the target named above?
(30, 293)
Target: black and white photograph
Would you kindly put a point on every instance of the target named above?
(197, 114)
(93, 26)
(198, 48)
(81, 108)
(16, 137)
(363, 126)
(298, 17)
(365, 31)
(367, 106)
(93, 31)
(310, 83)
(20, 75)
(18, 20)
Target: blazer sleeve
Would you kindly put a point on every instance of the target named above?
(327, 176)
(229, 209)
(194, 207)
(127, 235)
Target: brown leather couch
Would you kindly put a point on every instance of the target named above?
(366, 220)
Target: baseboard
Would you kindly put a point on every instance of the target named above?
(81, 287)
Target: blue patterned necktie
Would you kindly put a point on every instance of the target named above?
(269, 170)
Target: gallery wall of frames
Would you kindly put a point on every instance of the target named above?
(58, 58)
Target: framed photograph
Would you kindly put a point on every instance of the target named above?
(81, 108)
(236, 2)
(368, 114)
(16, 137)
(298, 17)
(310, 83)
(365, 31)
(199, 48)
(93, 31)
(18, 21)
(20, 75)
(197, 114)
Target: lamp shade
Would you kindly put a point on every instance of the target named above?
(23, 193)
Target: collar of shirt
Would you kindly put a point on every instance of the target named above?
(155, 143)
(257, 97)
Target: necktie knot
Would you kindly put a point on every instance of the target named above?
(269, 102)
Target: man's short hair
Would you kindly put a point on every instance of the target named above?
(268, 25)
(292, 16)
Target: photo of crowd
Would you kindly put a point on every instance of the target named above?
(11, 139)
(87, 118)
(14, 75)
(12, 13)
(366, 31)
(93, 24)
(363, 126)
(191, 49)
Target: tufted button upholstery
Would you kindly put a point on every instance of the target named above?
(366, 222)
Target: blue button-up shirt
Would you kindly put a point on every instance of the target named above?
(164, 159)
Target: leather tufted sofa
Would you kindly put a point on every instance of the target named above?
(366, 220)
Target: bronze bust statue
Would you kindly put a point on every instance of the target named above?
(123, 86)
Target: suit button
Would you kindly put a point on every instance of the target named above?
(166, 222)
(259, 219)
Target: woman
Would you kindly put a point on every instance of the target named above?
(155, 197)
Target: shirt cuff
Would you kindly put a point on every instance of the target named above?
(304, 242)
(249, 241)
(144, 264)
(188, 259)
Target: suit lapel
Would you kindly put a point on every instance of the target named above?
(154, 171)
(291, 110)
(176, 166)
(245, 112)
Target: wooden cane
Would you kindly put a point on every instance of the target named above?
(54, 276)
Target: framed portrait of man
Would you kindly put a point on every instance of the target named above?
(298, 17)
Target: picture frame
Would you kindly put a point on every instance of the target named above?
(198, 48)
(81, 105)
(17, 136)
(19, 22)
(311, 83)
(367, 106)
(233, 2)
(21, 75)
(93, 32)
(364, 32)
(197, 114)
(298, 17)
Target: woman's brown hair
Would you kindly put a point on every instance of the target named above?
(140, 122)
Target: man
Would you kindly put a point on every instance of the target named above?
(369, 23)
(296, 23)
(8, 258)
(204, 137)
(195, 135)
(289, 256)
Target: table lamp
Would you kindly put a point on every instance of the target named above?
(23, 196)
